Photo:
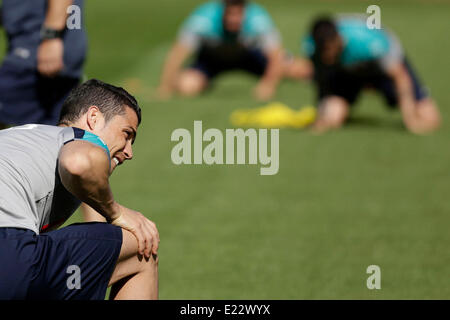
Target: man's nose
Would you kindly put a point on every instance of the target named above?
(128, 151)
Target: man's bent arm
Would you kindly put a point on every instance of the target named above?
(174, 61)
(51, 51)
(274, 67)
(272, 75)
(404, 88)
(57, 14)
(84, 171)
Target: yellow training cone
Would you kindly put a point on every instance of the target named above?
(274, 115)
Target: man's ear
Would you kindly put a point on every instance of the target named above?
(93, 117)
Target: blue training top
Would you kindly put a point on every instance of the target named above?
(205, 27)
(362, 44)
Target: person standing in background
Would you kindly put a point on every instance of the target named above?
(44, 59)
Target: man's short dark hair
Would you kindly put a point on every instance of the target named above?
(323, 30)
(109, 99)
(235, 2)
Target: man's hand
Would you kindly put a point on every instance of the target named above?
(50, 57)
(421, 125)
(264, 91)
(143, 229)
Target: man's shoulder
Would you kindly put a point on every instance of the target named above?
(257, 19)
(360, 42)
(35, 140)
(354, 27)
(32, 129)
(206, 19)
(83, 135)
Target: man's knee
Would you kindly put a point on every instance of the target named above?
(150, 264)
(130, 262)
(191, 83)
(334, 111)
(130, 251)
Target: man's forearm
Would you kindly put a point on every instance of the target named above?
(99, 196)
(273, 72)
(173, 64)
(405, 94)
(93, 190)
(405, 97)
(57, 14)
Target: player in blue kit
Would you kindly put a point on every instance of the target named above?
(44, 59)
(229, 35)
(45, 173)
(349, 57)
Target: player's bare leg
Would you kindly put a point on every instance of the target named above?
(333, 111)
(191, 83)
(90, 215)
(134, 278)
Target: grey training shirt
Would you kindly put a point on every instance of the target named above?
(31, 193)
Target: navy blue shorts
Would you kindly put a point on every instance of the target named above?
(28, 97)
(349, 86)
(211, 65)
(75, 262)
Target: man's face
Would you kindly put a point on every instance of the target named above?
(119, 134)
(232, 18)
(331, 51)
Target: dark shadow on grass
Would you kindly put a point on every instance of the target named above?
(369, 124)
(374, 123)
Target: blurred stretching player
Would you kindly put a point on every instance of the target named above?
(229, 35)
(348, 57)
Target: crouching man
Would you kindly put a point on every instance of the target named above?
(348, 58)
(45, 173)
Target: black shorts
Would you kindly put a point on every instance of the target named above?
(212, 64)
(335, 82)
(75, 262)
